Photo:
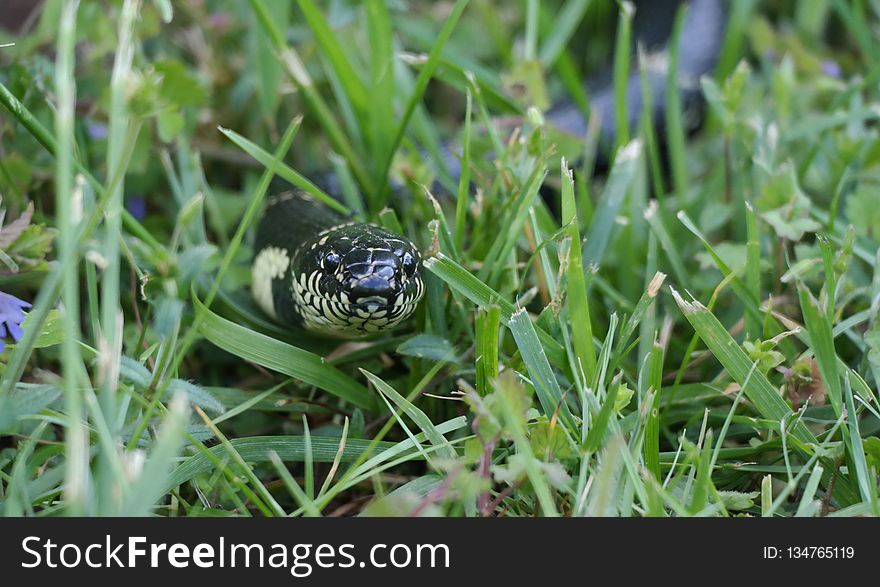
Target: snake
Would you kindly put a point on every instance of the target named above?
(316, 269)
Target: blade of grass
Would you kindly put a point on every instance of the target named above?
(332, 50)
(864, 479)
(514, 429)
(461, 280)
(648, 130)
(619, 182)
(380, 116)
(533, 355)
(564, 27)
(76, 436)
(274, 509)
(278, 356)
(758, 389)
(308, 464)
(293, 487)
(486, 359)
(18, 498)
(645, 303)
(512, 225)
(735, 35)
(422, 80)
(150, 485)
(297, 72)
(464, 180)
(675, 131)
(336, 460)
(418, 416)
(700, 494)
(766, 495)
(599, 425)
(111, 331)
(249, 403)
(808, 507)
(744, 295)
(652, 425)
(283, 170)
(818, 326)
(622, 46)
(654, 217)
(576, 292)
(256, 449)
(753, 270)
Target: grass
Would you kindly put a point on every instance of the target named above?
(691, 332)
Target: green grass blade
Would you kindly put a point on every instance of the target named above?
(818, 326)
(380, 114)
(864, 479)
(283, 170)
(280, 357)
(543, 380)
(462, 281)
(809, 507)
(700, 495)
(599, 425)
(652, 425)
(753, 270)
(297, 72)
(293, 487)
(486, 360)
(418, 416)
(415, 98)
(76, 435)
(512, 227)
(256, 449)
(464, 181)
(564, 27)
(576, 293)
(622, 46)
(150, 485)
(675, 131)
(336, 460)
(267, 503)
(621, 179)
(758, 389)
(332, 50)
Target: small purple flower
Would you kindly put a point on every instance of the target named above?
(831, 69)
(11, 317)
(137, 205)
(97, 130)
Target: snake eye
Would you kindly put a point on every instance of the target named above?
(331, 262)
(409, 264)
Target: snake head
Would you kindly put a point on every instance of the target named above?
(357, 279)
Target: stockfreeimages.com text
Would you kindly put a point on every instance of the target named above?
(300, 559)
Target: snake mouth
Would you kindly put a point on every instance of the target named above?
(335, 317)
(370, 305)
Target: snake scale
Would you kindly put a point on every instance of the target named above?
(317, 270)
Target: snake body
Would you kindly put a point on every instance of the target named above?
(318, 270)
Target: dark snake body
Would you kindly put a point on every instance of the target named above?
(317, 270)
